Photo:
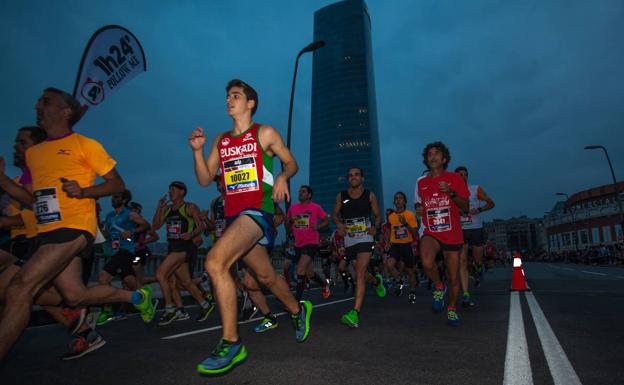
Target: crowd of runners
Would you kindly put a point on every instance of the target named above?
(54, 225)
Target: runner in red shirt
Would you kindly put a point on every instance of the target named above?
(439, 197)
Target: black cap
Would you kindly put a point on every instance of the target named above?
(179, 185)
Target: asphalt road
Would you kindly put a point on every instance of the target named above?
(567, 330)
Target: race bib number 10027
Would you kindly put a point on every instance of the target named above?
(240, 175)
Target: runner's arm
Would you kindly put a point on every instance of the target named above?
(11, 221)
(336, 216)
(376, 211)
(22, 193)
(205, 169)
(142, 224)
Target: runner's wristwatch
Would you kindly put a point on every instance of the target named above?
(453, 194)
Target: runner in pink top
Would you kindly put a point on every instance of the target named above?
(439, 197)
(304, 220)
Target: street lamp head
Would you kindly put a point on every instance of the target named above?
(313, 46)
(592, 147)
(560, 193)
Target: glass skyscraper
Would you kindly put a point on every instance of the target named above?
(344, 109)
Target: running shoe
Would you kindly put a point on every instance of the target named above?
(223, 358)
(380, 289)
(467, 301)
(437, 304)
(411, 298)
(166, 318)
(453, 318)
(147, 307)
(181, 315)
(326, 293)
(351, 318)
(301, 321)
(105, 316)
(267, 323)
(83, 344)
(205, 312)
(76, 318)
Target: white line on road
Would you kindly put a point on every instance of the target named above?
(560, 368)
(592, 272)
(245, 322)
(620, 277)
(568, 268)
(517, 363)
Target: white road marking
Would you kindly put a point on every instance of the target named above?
(245, 322)
(517, 363)
(592, 272)
(560, 368)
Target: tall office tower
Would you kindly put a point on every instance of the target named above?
(344, 109)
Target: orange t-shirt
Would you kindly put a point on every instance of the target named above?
(73, 157)
(29, 228)
(399, 233)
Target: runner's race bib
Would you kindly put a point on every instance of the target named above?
(465, 218)
(240, 175)
(356, 227)
(400, 232)
(174, 229)
(439, 220)
(302, 221)
(46, 207)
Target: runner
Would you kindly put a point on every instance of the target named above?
(439, 197)
(66, 218)
(304, 220)
(142, 252)
(183, 224)
(474, 235)
(403, 231)
(244, 155)
(351, 215)
(120, 226)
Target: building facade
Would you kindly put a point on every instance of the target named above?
(517, 234)
(587, 218)
(344, 130)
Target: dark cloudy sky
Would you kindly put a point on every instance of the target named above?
(516, 89)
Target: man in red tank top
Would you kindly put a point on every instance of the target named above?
(244, 155)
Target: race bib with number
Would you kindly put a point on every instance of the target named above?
(356, 227)
(46, 207)
(439, 219)
(174, 229)
(241, 175)
(301, 221)
(400, 232)
(465, 218)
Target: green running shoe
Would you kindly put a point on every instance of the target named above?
(147, 307)
(105, 316)
(302, 321)
(380, 289)
(223, 358)
(351, 318)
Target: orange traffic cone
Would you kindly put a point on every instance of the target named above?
(518, 279)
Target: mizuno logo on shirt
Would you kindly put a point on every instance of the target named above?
(63, 152)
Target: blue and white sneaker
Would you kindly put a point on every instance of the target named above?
(267, 323)
(223, 358)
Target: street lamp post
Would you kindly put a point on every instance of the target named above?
(615, 188)
(309, 48)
